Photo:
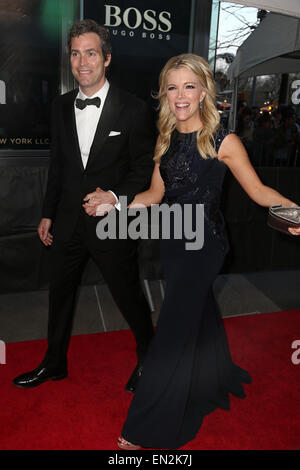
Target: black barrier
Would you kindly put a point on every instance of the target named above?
(24, 261)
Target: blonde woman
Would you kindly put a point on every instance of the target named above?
(188, 370)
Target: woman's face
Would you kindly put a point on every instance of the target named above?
(184, 94)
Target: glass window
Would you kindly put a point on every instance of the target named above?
(30, 73)
(214, 24)
(258, 82)
(236, 22)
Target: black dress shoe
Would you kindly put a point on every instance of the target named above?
(134, 378)
(39, 375)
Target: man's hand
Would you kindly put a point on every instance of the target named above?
(99, 202)
(43, 231)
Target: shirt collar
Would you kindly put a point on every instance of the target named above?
(100, 93)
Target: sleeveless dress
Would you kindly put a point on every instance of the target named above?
(188, 370)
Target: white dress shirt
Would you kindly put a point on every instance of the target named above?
(87, 121)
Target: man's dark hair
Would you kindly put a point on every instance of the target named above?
(90, 26)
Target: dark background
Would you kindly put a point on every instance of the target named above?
(30, 68)
(137, 62)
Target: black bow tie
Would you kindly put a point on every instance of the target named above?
(81, 104)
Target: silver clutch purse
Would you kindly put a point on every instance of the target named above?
(281, 218)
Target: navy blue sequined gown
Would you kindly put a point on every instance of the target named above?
(188, 371)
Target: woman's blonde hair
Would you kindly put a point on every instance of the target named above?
(209, 114)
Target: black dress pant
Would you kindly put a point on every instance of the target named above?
(117, 261)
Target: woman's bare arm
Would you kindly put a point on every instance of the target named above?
(234, 155)
(154, 194)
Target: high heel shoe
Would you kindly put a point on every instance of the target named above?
(126, 445)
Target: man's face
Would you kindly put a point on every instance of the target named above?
(87, 62)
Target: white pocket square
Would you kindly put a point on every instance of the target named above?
(114, 133)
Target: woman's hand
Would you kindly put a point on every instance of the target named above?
(294, 231)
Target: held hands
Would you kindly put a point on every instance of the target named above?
(44, 231)
(99, 202)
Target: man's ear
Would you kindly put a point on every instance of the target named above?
(108, 59)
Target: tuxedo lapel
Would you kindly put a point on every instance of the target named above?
(111, 111)
(71, 130)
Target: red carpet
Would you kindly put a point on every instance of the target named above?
(86, 411)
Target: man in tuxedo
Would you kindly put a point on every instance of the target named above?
(102, 148)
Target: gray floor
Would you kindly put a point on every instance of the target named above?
(23, 316)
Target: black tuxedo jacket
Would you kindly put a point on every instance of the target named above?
(121, 163)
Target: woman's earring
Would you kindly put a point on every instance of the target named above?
(201, 105)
